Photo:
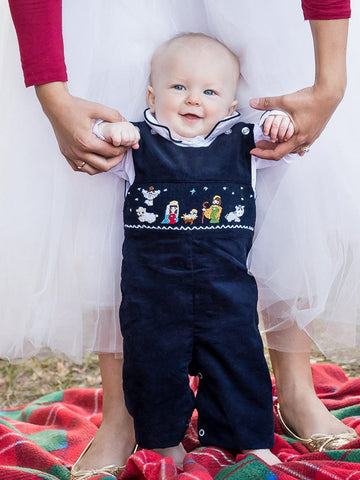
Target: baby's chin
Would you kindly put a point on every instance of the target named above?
(184, 137)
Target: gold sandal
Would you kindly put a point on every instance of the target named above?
(318, 442)
(114, 470)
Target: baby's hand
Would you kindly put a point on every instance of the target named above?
(279, 128)
(120, 133)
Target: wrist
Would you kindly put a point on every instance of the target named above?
(330, 40)
(330, 92)
(50, 95)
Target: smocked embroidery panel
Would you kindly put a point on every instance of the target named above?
(190, 206)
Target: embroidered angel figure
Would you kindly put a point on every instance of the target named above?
(150, 194)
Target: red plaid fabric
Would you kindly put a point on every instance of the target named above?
(41, 440)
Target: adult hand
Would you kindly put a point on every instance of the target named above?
(73, 119)
(310, 109)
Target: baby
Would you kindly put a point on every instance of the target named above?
(189, 302)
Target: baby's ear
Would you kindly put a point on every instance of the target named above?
(232, 107)
(150, 97)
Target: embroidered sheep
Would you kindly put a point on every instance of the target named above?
(236, 214)
(145, 216)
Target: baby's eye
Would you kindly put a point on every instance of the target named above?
(179, 87)
(209, 92)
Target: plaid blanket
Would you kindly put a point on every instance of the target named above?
(41, 440)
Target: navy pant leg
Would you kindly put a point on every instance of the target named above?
(156, 321)
(234, 399)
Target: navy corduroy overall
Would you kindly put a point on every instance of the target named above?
(189, 303)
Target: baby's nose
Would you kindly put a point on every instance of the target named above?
(193, 99)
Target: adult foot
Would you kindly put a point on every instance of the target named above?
(306, 415)
(265, 455)
(112, 445)
(176, 453)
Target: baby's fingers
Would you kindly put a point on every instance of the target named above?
(117, 139)
(267, 125)
(129, 141)
(274, 130)
(130, 136)
(283, 128)
(136, 138)
(275, 126)
(289, 132)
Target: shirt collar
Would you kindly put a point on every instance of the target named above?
(221, 127)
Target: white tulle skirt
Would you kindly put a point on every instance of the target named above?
(61, 231)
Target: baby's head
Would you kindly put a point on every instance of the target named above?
(194, 80)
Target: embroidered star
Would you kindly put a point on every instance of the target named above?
(165, 190)
(205, 188)
(232, 193)
(137, 199)
(224, 188)
(242, 199)
(192, 191)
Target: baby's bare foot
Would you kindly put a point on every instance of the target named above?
(265, 455)
(176, 453)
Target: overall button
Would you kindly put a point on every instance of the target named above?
(200, 375)
(201, 432)
(245, 130)
(228, 132)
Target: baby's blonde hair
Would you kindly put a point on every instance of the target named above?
(193, 36)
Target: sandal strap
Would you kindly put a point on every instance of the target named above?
(318, 442)
(114, 470)
(323, 442)
(284, 426)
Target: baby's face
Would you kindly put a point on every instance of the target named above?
(193, 88)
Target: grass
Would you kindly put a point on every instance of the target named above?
(21, 383)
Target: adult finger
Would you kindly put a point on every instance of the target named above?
(273, 151)
(267, 103)
(83, 167)
(100, 163)
(102, 148)
(107, 113)
(302, 149)
(89, 144)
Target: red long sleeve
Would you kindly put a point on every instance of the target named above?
(38, 25)
(326, 9)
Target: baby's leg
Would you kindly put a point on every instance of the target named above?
(157, 347)
(265, 455)
(176, 453)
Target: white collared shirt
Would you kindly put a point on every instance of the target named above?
(125, 169)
